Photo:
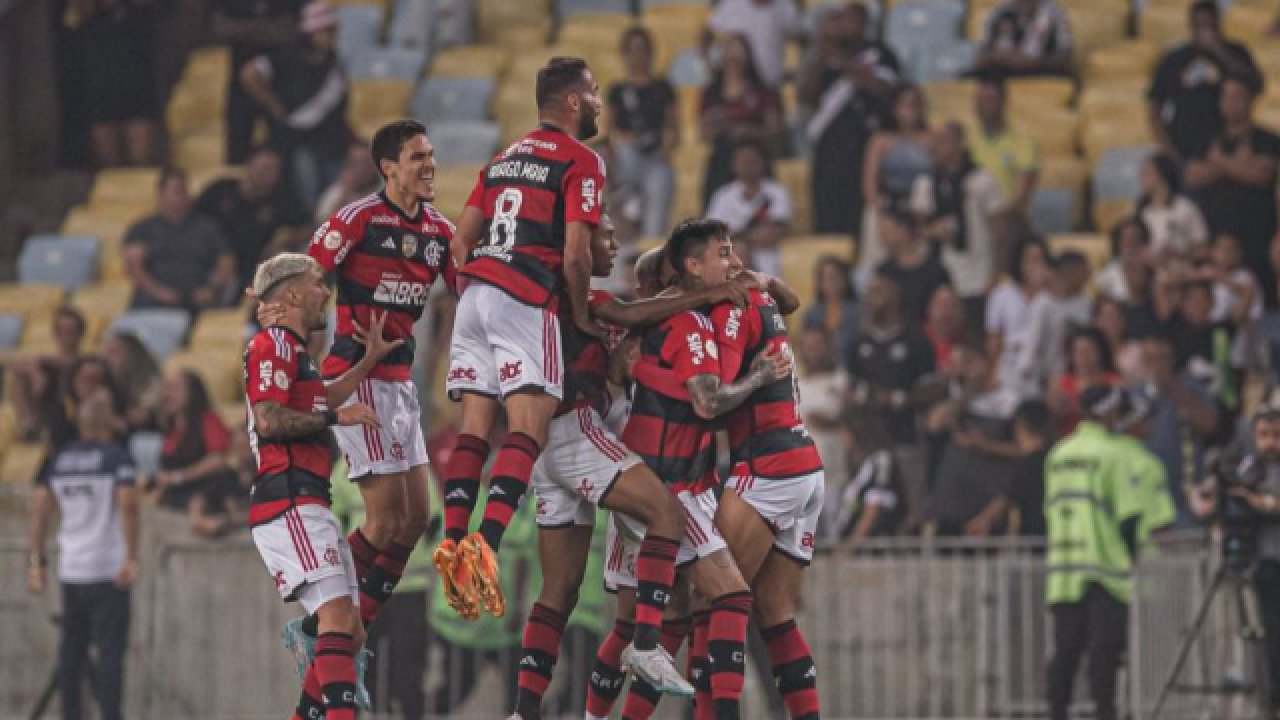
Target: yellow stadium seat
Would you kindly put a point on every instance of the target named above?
(379, 101)
(1248, 23)
(1135, 58)
(196, 153)
(1106, 213)
(1053, 129)
(107, 223)
(208, 64)
(1101, 134)
(1164, 25)
(219, 329)
(124, 184)
(453, 187)
(1094, 246)
(21, 463)
(1063, 172)
(471, 61)
(1095, 25)
(950, 100)
(105, 300)
(595, 30)
(493, 16)
(524, 36)
(688, 199)
(1030, 94)
(1105, 96)
(977, 22)
(30, 300)
(799, 253)
(8, 426)
(794, 175)
(689, 110)
(672, 33)
(222, 372)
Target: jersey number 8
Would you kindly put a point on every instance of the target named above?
(506, 209)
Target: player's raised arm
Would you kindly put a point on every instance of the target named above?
(376, 347)
(651, 311)
(470, 225)
(712, 397)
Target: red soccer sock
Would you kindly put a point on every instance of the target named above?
(700, 667)
(381, 581)
(726, 648)
(643, 698)
(540, 649)
(655, 573)
(606, 679)
(510, 478)
(794, 670)
(462, 484)
(311, 702)
(336, 671)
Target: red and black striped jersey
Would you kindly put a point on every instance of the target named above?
(663, 428)
(766, 431)
(587, 358)
(386, 260)
(278, 369)
(529, 194)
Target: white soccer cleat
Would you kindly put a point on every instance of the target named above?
(656, 668)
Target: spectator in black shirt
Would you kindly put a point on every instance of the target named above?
(1235, 179)
(1201, 345)
(1026, 37)
(845, 82)
(1033, 436)
(643, 132)
(249, 28)
(303, 90)
(872, 503)
(913, 262)
(250, 209)
(1184, 91)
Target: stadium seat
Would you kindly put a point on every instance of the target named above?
(453, 100)
(216, 329)
(412, 26)
(375, 102)
(464, 143)
(1054, 129)
(1054, 210)
(570, 8)
(358, 29)
(69, 261)
(1134, 58)
(387, 63)
(1094, 246)
(794, 176)
(162, 330)
(942, 63)
(453, 186)
(1106, 213)
(1248, 23)
(21, 463)
(1163, 25)
(1117, 172)
(675, 28)
(1095, 24)
(799, 252)
(105, 300)
(1102, 134)
(8, 427)
(1031, 94)
(233, 415)
(492, 17)
(916, 24)
(1065, 172)
(10, 331)
(482, 61)
(124, 184)
(31, 301)
(524, 36)
(658, 5)
(195, 153)
(221, 370)
(689, 69)
(145, 449)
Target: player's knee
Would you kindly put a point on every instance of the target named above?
(384, 529)
(770, 609)
(560, 596)
(667, 515)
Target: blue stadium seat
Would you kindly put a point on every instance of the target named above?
(1053, 211)
(162, 330)
(10, 331)
(145, 448)
(358, 29)
(387, 63)
(66, 260)
(1116, 175)
(464, 143)
(689, 69)
(453, 100)
(412, 28)
(941, 63)
(918, 24)
(569, 8)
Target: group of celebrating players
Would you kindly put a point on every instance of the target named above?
(607, 403)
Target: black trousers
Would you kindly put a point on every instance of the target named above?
(1099, 624)
(1266, 583)
(399, 639)
(97, 615)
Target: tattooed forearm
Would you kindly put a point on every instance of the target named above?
(712, 398)
(277, 422)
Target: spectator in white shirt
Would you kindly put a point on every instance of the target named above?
(1009, 304)
(766, 24)
(1053, 315)
(822, 386)
(756, 208)
(1130, 248)
(1174, 221)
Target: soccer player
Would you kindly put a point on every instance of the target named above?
(386, 250)
(297, 535)
(678, 389)
(583, 466)
(527, 230)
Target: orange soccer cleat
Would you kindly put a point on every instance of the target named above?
(479, 560)
(458, 594)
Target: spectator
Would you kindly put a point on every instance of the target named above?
(1033, 435)
(643, 134)
(303, 90)
(822, 385)
(1052, 315)
(1235, 290)
(845, 81)
(1175, 222)
(765, 26)
(1183, 97)
(137, 376)
(1009, 307)
(91, 483)
(756, 208)
(737, 105)
(1089, 364)
(89, 378)
(912, 262)
(357, 179)
(835, 306)
(969, 221)
(119, 78)
(1202, 346)
(249, 28)
(195, 477)
(250, 210)
(1026, 37)
(897, 156)
(29, 373)
(944, 324)
(177, 258)
(872, 503)
(1186, 420)
(972, 483)
(1130, 252)
(1007, 154)
(68, 336)
(1110, 318)
(1235, 179)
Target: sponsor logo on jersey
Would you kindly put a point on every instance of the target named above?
(393, 291)
(807, 541)
(384, 220)
(588, 194)
(734, 323)
(695, 348)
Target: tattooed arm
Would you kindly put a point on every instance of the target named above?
(713, 398)
(274, 421)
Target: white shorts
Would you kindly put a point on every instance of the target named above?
(500, 345)
(622, 541)
(791, 506)
(581, 462)
(306, 553)
(621, 550)
(395, 447)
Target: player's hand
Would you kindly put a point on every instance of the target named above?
(591, 328)
(35, 580)
(358, 414)
(128, 573)
(776, 361)
(736, 291)
(375, 344)
(270, 314)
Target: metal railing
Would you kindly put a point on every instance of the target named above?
(906, 628)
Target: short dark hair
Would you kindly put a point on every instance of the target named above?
(1117, 231)
(1209, 7)
(558, 76)
(995, 82)
(1034, 416)
(633, 32)
(170, 172)
(1070, 258)
(390, 139)
(690, 239)
(70, 313)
